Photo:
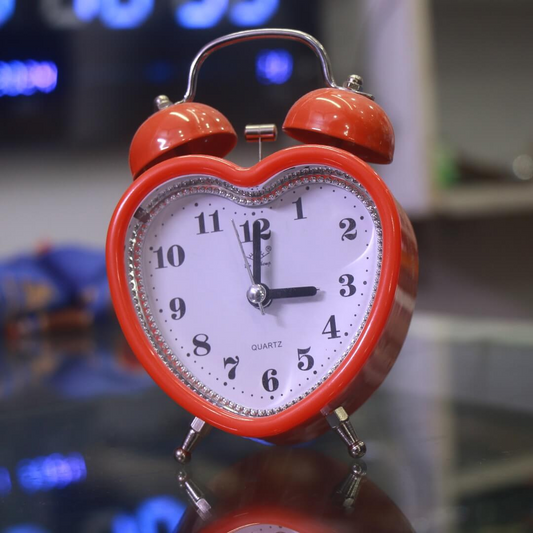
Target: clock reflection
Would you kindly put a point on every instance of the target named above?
(289, 491)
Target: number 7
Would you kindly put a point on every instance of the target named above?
(230, 361)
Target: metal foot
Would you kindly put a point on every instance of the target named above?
(340, 422)
(349, 489)
(199, 429)
(195, 495)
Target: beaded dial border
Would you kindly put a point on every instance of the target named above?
(177, 188)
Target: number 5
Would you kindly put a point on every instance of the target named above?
(304, 354)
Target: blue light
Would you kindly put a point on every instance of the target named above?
(5, 482)
(200, 14)
(158, 71)
(26, 528)
(153, 515)
(161, 510)
(124, 523)
(120, 15)
(260, 441)
(86, 10)
(51, 472)
(273, 67)
(7, 8)
(253, 12)
(19, 78)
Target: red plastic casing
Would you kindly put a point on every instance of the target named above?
(374, 353)
(180, 129)
(343, 119)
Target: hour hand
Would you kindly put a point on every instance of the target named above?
(292, 292)
(256, 262)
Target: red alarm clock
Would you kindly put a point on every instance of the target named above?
(270, 301)
(290, 491)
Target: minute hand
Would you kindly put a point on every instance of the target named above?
(292, 292)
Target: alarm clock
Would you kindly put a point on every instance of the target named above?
(289, 491)
(269, 302)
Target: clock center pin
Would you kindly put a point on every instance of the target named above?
(256, 294)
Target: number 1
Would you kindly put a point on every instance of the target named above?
(299, 209)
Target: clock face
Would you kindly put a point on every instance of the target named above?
(317, 236)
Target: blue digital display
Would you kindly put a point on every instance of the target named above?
(7, 7)
(128, 14)
(5, 482)
(124, 523)
(202, 14)
(86, 10)
(26, 528)
(119, 15)
(160, 513)
(273, 67)
(23, 78)
(54, 471)
(253, 12)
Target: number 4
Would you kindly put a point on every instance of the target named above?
(333, 332)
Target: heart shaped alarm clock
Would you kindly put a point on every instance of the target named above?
(271, 301)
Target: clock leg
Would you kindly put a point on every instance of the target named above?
(199, 429)
(195, 495)
(349, 489)
(340, 422)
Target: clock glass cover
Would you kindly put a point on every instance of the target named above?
(320, 234)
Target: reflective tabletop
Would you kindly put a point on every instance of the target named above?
(88, 439)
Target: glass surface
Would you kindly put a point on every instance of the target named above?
(87, 442)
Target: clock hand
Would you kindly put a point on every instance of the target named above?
(257, 251)
(254, 285)
(292, 292)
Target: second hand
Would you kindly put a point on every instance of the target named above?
(246, 263)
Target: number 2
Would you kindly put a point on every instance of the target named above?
(351, 232)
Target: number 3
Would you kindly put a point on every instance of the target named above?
(346, 280)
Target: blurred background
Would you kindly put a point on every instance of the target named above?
(78, 77)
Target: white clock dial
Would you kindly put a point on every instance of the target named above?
(320, 236)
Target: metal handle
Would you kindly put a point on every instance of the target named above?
(250, 35)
